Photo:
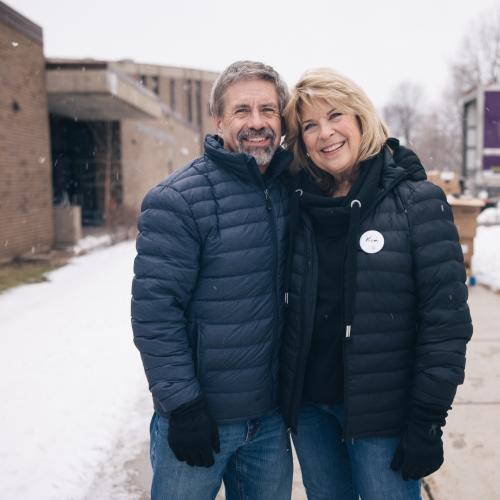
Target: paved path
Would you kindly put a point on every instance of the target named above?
(472, 437)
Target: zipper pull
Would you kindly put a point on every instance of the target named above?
(268, 199)
(348, 331)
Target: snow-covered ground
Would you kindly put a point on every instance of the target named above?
(71, 382)
(75, 404)
(486, 257)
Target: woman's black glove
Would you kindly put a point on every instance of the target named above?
(193, 434)
(420, 451)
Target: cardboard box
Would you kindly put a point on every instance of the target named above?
(465, 212)
(448, 181)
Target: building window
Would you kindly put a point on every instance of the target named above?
(197, 92)
(172, 94)
(143, 80)
(189, 96)
(154, 85)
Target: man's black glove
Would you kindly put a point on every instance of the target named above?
(193, 434)
(420, 451)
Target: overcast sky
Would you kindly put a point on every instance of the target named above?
(377, 43)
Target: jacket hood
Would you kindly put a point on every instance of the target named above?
(242, 164)
(404, 163)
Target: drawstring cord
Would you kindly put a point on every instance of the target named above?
(351, 260)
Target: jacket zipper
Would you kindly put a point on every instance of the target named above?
(276, 308)
(305, 346)
(198, 352)
(345, 344)
(270, 212)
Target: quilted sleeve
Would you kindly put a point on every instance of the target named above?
(166, 270)
(443, 318)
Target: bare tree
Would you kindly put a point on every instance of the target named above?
(431, 130)
(403, 113)
(478, 60)
(434, 130)
(436, 140)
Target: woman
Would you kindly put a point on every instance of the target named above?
(377, 314)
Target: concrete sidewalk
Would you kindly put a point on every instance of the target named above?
(471, 435)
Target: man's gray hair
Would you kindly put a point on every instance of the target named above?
(246, 70)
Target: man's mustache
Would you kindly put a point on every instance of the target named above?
(252, 133)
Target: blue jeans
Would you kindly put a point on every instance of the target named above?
(255, 462)
(334, 469)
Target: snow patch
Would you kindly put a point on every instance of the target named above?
(486, 257)
(92, 242)
(70, 376)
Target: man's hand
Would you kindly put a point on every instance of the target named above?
(193, 434)
(420, 451)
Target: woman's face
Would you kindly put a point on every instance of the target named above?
(332, 139)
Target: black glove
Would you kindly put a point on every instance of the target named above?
(193, 433)
(420, 451)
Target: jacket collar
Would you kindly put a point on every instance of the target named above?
(244, 165)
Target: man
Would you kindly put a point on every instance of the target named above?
(207, 301)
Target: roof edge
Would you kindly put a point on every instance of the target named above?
(20, 23)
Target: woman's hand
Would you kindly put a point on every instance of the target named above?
(420, 451)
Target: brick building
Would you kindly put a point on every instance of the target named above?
(26, 216)
(90, 137)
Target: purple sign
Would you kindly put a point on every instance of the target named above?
(491, 120)
(491, 163)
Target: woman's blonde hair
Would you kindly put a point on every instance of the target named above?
(328, 85)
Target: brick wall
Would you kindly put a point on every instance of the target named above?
(26, 217)
(151, 149)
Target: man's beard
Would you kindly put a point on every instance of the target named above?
(262, 155)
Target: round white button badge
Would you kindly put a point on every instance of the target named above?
(371, 242)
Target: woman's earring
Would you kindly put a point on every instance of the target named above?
(308, 155)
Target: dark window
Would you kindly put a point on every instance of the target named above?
(172, 94)
(143, 80)
(154, 84)
(189, 96)
(197, 91)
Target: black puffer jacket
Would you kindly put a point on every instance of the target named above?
(207, 297)
(406, 316)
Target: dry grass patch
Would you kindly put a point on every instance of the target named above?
(21, 272)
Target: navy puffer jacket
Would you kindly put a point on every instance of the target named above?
(208, 288)
(408, 320)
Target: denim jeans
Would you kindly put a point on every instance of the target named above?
(255, 462)
(336, 470)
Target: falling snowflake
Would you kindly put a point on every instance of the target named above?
(15, 44)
